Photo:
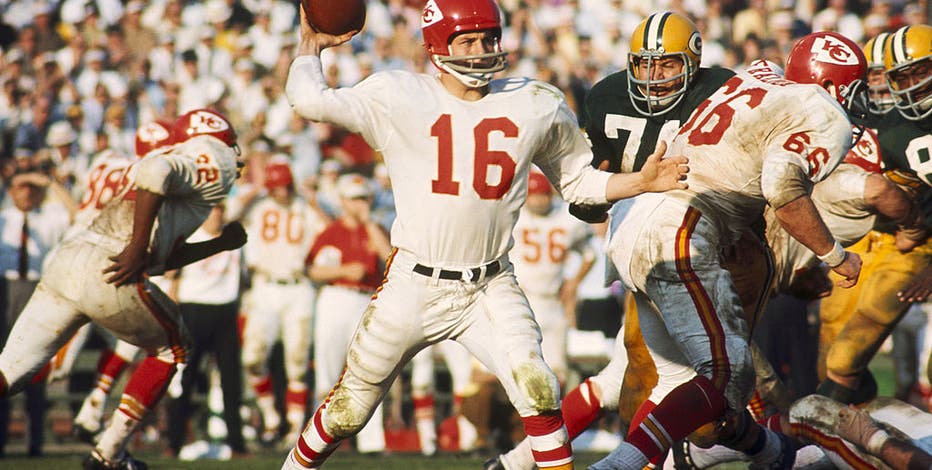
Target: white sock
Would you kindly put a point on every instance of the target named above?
(519, 458)
(113, 439)
(704, 458)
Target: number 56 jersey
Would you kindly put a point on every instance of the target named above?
(459, 168)
(758, 140)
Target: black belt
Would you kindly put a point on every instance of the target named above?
(471, 275)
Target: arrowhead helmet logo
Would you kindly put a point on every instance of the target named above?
(832, 51)
(431, 15)
(153, 133)
(205, 122)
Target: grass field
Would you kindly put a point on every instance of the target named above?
(273, 460)
(71, 454)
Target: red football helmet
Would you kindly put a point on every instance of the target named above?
(833, 62)
(153, 135)
(204, 122)
(441, 20)
(865, 152)
(278, 175)
(537, 183)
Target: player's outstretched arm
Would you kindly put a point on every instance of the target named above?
(801, 220)
(657, 175)
(130, 263)
(312, 41)
(232, 237)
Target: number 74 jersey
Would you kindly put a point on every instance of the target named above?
(459, 168)
(756, 141)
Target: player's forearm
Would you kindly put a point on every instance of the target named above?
(802, 221)
(624, 185)
(144, 215)
(188, 253)
(890, 201)
(901, 455)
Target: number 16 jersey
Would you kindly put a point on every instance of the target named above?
(458, 168)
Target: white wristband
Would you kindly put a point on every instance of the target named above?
(876, 442)
(835, 256)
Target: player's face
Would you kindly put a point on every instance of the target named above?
(539, 204)
(475, 43)
(912, 76)
(658, 70)
(281, 195)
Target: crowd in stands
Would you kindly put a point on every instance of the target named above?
(79, 76)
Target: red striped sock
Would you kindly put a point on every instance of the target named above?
(550, 443)
(687, 407)
(145, 387)
(315, 444)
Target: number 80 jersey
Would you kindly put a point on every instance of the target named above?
(458, 168)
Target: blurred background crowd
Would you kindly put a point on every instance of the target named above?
(79, 76)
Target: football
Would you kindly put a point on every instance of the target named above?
(335, 16)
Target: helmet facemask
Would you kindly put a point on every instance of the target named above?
(475, 70)
(854, 97)
(914, 101)
(642, 92)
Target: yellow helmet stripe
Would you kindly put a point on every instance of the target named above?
(898, 45)
(653, 33)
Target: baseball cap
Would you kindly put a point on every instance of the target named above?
(60, 133)
(353, 185)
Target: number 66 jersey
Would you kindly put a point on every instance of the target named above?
(459, 168)
(758, 140)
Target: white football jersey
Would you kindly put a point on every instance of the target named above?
(103, 182)
(194, 176)
(542, 245)
(746, 142)
(280, 237)
(839, 199)
(459, 168)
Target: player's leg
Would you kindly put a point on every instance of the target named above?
(262, 324)
(549, 313)
(389, 334)
(812, 420)
(297, 336)
(504, 336)
(143, 315)
(45, 324)
(64, 359)
(422, 394)
(460, 366)
(877, 312)
(111, 364)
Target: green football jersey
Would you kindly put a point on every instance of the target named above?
(625, 137)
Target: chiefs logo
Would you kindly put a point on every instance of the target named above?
(832, 51)
(866, 153)
(152, 133)
(431, 15)
(205, 122)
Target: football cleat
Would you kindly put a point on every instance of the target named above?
(495, 463)
(96, 462)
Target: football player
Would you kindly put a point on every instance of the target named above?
(100, 273)
(458, 147)
(896, 259)
(749, 150)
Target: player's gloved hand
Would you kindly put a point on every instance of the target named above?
(855, 425)
(233, 236)
(849, 269)
(919, 288)
(591, 214)
(127, 266)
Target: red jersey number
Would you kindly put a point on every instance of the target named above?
(102, 185)
(720, 116)
(482, 159)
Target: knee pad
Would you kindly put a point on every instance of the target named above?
(538, 386)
